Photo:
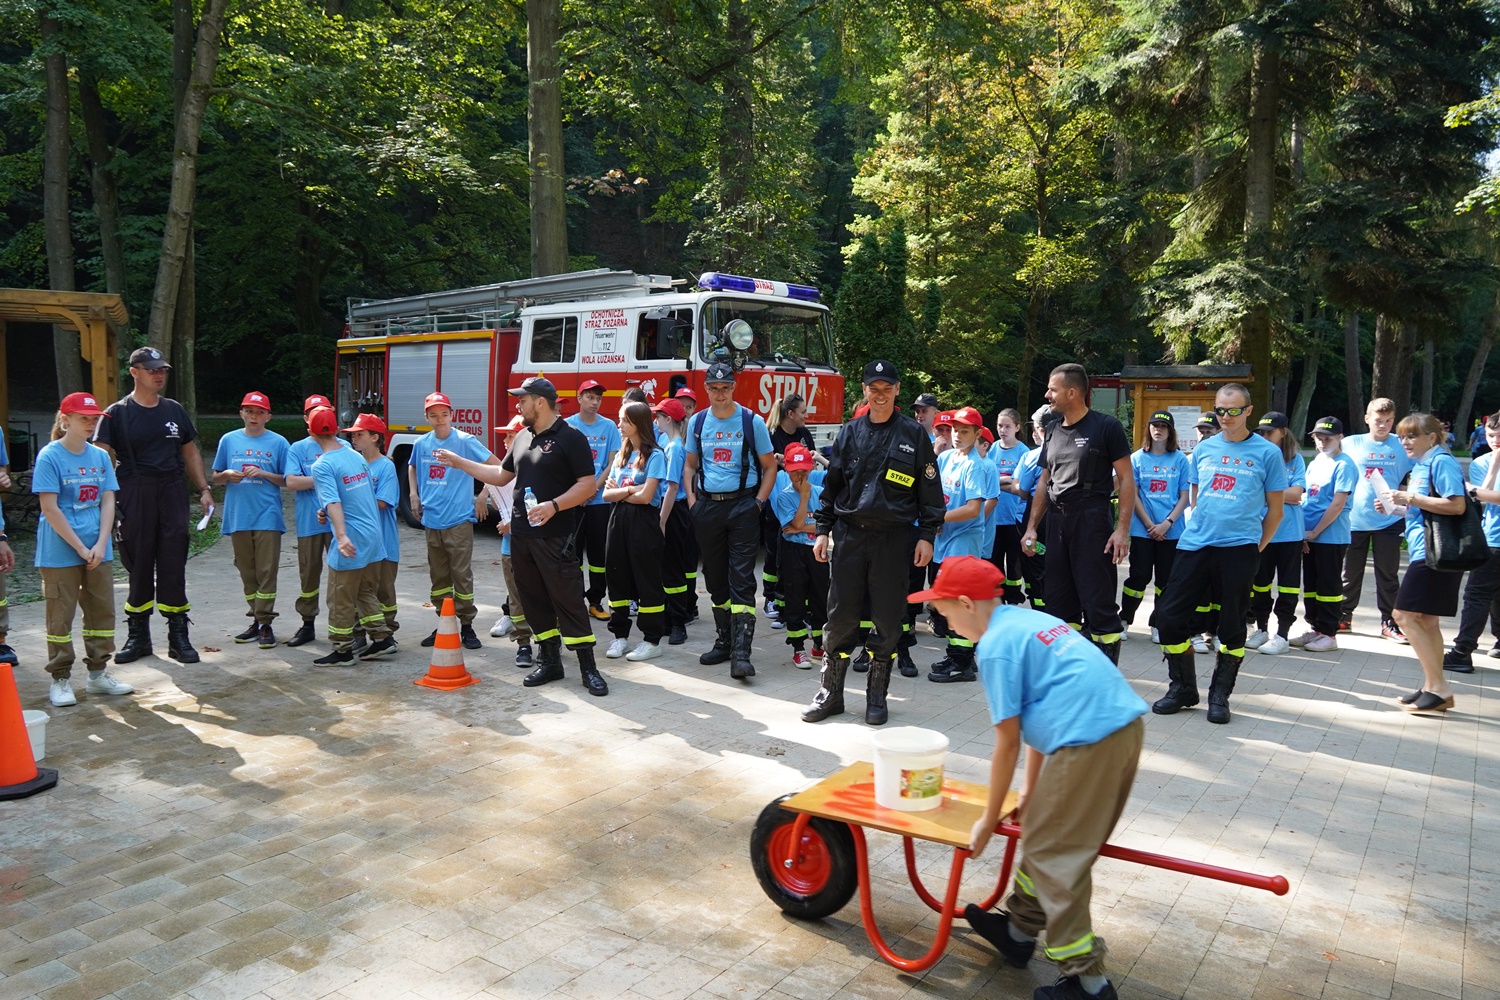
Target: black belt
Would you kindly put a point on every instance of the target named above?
(1079, 504)
(749, 491)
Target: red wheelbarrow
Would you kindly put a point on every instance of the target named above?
(808, 851)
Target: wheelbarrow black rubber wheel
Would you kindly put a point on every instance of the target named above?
(823, 876)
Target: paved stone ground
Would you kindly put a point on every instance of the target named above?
(253, 827)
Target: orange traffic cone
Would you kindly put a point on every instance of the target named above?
(19, 775)
(447, 672)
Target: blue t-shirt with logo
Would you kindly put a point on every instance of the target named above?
(1066, 692)
(252, 504)
(1233, 478)
(1435, 474)
(80, 481)
(1368, 454)
(784, 503)
(447, 494)
(963, 480)
(1290, 529)
(604, 441)
(342, 477)
(300, 456)
(655, 468)
(1029, 473)
(723, 441)
(1159, 482)
(1325, 478)
(1011, 508)
(676, 454)
(387, 488)
(1490, 513)
(991, 492)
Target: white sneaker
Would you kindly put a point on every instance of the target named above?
(102, 683)
(1257, 639)
(617, 649)
(1304, 638)
(1274, 646)
(61, 693)
(644, 651)
(1200, 644)
(503, 627)
(801, 660)
(1321, 644)
(1125, 634)
(1155, 635)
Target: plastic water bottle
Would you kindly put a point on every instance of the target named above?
(530, 500)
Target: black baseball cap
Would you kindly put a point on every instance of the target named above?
(1207, 419)
(148, 358)
(926, 399)
(1328, 425)
(881, 370)
(1272, 420)
(537, 386)
(719, 371)
(1161, 417)
(1046, 415)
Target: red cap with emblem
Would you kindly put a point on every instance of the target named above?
(672, 408)
(314, 401)
(367, 422)
(590, 385)
(436, 399)
(256, 400)
(968, 416)
(81, 402)
(963, 576)
(944, 419)
(796, 458)
(516, 423)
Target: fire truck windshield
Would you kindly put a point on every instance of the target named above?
(785, 334)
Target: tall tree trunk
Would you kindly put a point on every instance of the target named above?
(1410, 340)
(1028, 353)
(1353, 373)
(1476, 368)
(1297, 419)
(549, 212)
(106, 188)
(185, 318)
(1260, 195)
(177, 232)
(1281, 387)
(1429, 356)
(1390, 374)
(57, 224)
(736, 121)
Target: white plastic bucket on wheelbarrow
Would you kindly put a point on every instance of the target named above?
(909, 768)
(36, 731)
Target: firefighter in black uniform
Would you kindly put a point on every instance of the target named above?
(881, 480)
(553, 465)
(151, 439)
(1085, 458)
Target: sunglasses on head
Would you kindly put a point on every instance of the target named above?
(1230, 411)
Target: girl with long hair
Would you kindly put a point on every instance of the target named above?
(679, 568)
(633, 553)
(1161, 495)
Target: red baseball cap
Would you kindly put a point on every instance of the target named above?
(589, 385)
(516, 423)
(963, 576)
(368, 422)
(671, 408)
(322, 421)
(987, 434)
(685, 392)
(945, 419)
(968, 416)
(436, 399)
(314, 401)
(81, 402)
(257, 400)
(796, 457)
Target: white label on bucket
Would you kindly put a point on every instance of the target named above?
(921, 783)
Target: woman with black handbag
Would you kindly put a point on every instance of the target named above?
(1434, 489)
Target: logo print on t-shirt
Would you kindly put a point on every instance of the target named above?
(436, 472)
(1222, 482)
(88, 494)
(1158, 486)
(722, 454)
(171, 429)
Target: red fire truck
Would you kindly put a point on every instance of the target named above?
(621, 328)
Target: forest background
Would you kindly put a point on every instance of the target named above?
(983, 189)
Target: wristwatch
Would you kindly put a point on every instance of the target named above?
(556, 507)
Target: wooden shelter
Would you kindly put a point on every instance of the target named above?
(98, 318)
(1185, 391)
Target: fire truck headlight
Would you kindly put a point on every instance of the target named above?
(739, 334)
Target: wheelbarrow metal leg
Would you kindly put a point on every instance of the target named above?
(945, 918)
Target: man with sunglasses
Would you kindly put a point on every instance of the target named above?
(1085, 458)
(1235, 475)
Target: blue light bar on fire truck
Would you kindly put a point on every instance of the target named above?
(713, 281)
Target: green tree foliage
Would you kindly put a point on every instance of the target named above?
(870, 316)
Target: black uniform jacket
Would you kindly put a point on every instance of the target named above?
(883, 477)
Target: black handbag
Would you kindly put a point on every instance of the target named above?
(1455, 542)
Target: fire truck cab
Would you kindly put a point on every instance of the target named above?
(622, 329)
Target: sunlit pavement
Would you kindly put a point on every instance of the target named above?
(253, 826)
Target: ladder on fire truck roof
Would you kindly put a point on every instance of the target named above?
(487, 306)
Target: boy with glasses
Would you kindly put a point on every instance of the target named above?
(1369, 529)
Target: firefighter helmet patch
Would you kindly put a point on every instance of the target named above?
(931, 471)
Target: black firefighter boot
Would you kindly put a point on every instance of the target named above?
(740, 667)
(720, 652)
(876, 686)
(179, 644)
(1182, 687)
(1109, 649)
(592, 679)
(138, 644)
(548, 663)
(1226, 672)
(829, 700)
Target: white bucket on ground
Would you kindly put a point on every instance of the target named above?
(909, 768)
(36, 731)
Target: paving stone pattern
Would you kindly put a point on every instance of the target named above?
(254, 827)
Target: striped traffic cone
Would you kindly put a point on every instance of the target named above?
(447, 672)
(19, 775)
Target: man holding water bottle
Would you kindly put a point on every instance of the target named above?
(553, 469)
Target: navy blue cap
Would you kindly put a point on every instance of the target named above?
(719, 371)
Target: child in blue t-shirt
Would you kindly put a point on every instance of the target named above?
(679, 563)
(964, 486)
(251, 466)
(1051, 688)
(1326, 510)
(804, 580)
(513, 622)
(75, 482)
(636, 542)
(367, 436)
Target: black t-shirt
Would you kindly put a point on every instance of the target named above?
(780, 439)
(1080, 459)
(147, 439)
(550, 463)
